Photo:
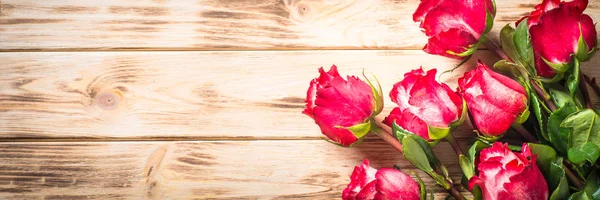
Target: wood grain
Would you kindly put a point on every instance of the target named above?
(192, 170)
(195, 95)
(223, 24)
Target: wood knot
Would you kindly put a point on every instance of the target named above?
(108, 100)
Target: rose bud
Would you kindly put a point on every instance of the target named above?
(342, 108)
(504, 174)
(494, 100)
(558, 31)
(426, 107)
(367, 182)
(454, 27)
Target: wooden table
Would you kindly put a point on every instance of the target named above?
(169, 99)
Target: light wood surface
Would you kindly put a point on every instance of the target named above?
(173, 99)
(223, 24)
(301, 169)
(239, 94)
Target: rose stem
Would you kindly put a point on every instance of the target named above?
(592, 83)
(573, 178)
(539, 91)
(454, 144)
(455, 193)
(524, 133)
(385, 133)
(496, 48)
(585, 93)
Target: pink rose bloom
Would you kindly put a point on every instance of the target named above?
(555, 28)
(337, 104)
(494, 100)
(424, 102)
(507, 175)
(368, 183)
(453, 26)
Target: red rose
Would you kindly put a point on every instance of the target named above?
(454, 26)
(504, 174)
(423, 103)
(339, 106)
(368, 183)
(556, 28)
(494, 100)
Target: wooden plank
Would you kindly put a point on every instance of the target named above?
(194, 95)
(190, 170)
(223, 24)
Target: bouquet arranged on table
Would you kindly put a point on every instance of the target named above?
(537, 90)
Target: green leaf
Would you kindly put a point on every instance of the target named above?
(523, 45)
(560, 96)
(592, 185)
(585, 127)
(546, 155)
(539, 114)
(437, 133)
(414, 153)
(466, 166)
(557, 135)
(476, 147)
(417, 151)
(573, 78)
(556, 175)
(360, 130)
(562, 190)
(579, 196)
(422, 187)
(506, 39)
(589, 151)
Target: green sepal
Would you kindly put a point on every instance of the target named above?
(514, 70)
(360, 140)
(489, 21)
(468, 51)
(359, 130)
(438, 133)
(466, 166)
(523, 116)
(589, 151)
(559, 68)
(489, 138)
(557, 77)
(377, 95)
(463, 115)
(573, 78)
(477, 193)
(581, 195)
(399, 132)
(583, 49)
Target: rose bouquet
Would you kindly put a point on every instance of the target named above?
(537, 90)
